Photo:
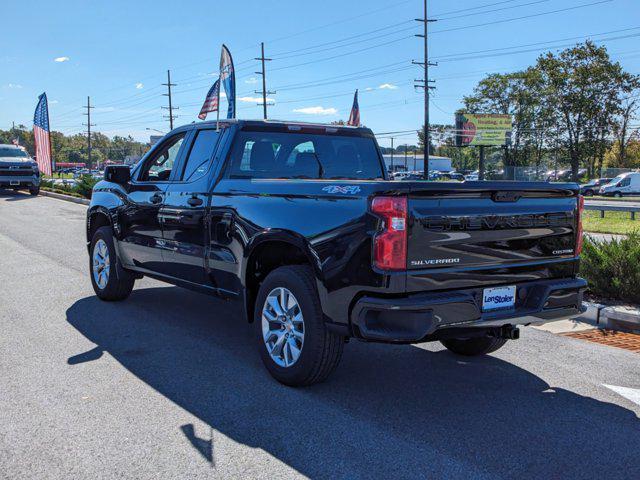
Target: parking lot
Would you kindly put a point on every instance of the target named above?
(170, 381)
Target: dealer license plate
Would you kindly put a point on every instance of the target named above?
(498, 298)
(14, 182)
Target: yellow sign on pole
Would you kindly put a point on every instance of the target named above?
(475, 129)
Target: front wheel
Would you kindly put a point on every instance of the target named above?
(617, 195)
(34, 190)
(110, 281)
(295, 345)
(470, 347)
(588, 193)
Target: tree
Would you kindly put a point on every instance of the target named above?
(519, 94)
(584, 89)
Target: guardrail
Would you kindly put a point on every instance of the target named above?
(613, 208)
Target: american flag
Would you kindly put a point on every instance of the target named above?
(354, 118)
(41, 135)
(211, 102)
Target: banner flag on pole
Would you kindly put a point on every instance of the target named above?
(228, 79)
(211, 103)
(354, 118)
(42, 140)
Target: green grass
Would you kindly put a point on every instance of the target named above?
(55, 175)
(613, 222)
(614, 199)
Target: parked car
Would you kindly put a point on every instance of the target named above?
(622, 185)
(593, 187)
(299, 224)
(67, 182)
(18, 170)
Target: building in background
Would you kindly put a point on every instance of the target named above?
(436, 164)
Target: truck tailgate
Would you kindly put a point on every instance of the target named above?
(468, 237)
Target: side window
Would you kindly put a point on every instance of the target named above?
(157, 168)
(200, 155)
(625, 182)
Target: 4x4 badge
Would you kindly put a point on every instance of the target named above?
(348, 189)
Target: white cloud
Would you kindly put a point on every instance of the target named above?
(53, 102)
(254, 99)
(139, 86)
(61, 59)
(368, 89)
(14, 85)
(251, 80)
(316, 110)
(388, 86)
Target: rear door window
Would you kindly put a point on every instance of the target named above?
(201, 155)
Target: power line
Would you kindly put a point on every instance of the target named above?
(495, 22)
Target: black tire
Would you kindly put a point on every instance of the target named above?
(120, 282)
(321, 350)
(588, 193)
(34, 190)
(617, 195)
(470, 347)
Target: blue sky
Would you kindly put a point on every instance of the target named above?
(118, 53)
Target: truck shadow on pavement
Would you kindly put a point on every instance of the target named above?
(388, 411)
(13, 195)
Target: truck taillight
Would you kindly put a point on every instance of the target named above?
(579, 239)
(390, 245)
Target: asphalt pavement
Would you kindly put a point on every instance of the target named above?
(169, 384)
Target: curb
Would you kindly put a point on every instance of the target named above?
(622, 318)
(593, 315)
(68, 198)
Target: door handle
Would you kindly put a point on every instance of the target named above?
(156, 198)
(195, 201)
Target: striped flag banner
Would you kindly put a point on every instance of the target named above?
(42, 141)
(354, 118)
(211, 102)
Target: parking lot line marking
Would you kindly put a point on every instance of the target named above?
(632, 394)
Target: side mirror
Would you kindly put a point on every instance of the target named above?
(120, 174)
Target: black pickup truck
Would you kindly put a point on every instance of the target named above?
(301, 225)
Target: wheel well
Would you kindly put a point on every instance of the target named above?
(96, 220)
(263, 260)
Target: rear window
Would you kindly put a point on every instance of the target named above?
(299, 155)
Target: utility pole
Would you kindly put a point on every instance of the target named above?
(171, 108)
(425, 83)
(263, 73)
(405, 158)
(89, 125)
(391, 154)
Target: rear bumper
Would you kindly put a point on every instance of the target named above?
(426, 316)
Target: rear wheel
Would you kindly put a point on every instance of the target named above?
(295, 345)
(471, 347)
(110, 281)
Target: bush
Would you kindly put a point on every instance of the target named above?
(613, 268)
(85, 185)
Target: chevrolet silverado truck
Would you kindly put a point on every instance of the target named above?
(300, 224)
(18, 169)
